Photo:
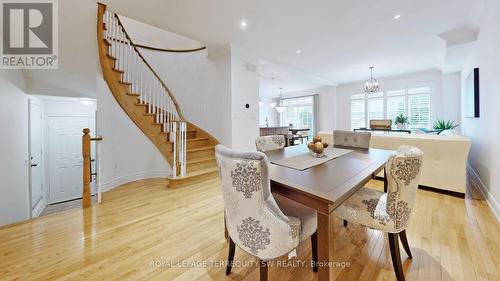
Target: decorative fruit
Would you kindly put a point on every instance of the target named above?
(325, 144)
(318, 147)
(316, 139)
(310, 146)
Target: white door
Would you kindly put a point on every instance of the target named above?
(65, 156)
(36, 164)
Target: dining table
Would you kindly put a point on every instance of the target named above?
(294, 131)
(324, 187)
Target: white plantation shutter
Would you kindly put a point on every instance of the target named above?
(358, 117)
(395, 106)
(375, 108)
(419, 107)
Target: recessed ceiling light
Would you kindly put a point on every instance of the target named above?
(396, 17)
(298, 51)
(243, 24)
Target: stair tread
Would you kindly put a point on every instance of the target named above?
(125, 83)
(117, 70)
(200, 148)
(111, 57)
(133, 94)
(200, 159)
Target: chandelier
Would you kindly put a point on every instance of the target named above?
(371, 86)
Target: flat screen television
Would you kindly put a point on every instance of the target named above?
(472, 94)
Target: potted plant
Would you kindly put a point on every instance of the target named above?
(401, 121)
(442, 125)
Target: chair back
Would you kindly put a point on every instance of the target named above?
(253, 219)
(352, 139)
(267, 143)
(403, 173)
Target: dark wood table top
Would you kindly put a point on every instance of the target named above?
(332, 182)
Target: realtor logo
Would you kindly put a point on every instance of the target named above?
(29, 35)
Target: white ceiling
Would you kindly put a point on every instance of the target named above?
(339, 39)
(272, 77)
(78, 57)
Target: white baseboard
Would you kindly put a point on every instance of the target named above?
(39, 208)
(110, 184)
(492, 202)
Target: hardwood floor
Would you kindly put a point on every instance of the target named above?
(143, 231)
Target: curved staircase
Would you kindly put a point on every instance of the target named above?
(151, 106)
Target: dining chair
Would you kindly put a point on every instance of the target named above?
(353, 140)
(267, 143)
(303, 135)
(389, 212)
(350, 139)
(263, 225)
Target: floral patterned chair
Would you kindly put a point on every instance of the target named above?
(260, 225)
(389, 212)
(267, 143)
(352, 139)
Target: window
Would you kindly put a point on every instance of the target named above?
(414, 102)
(396, 103)
(299, 112)
(376, 106)
(419, 110)
(358, 118)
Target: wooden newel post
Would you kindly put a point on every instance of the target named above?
(86, 168)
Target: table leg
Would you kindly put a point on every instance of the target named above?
(323, 247)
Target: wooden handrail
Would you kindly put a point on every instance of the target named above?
(170, 50)
(160, 49)
(177, 108)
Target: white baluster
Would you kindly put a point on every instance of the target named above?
(154, 97)
(174, 166)
(134, 71)
(149, 91)
(183, 150)
(113, 36)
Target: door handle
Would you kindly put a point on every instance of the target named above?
(34, 165)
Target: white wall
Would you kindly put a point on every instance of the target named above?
(244, 90)
(452, 101)
(148, 35)
(127, 154)
(433, 78)
(200, 86)
(266, 111)
(14, 186)
(485, 131)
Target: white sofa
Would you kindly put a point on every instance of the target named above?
(445, 157)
